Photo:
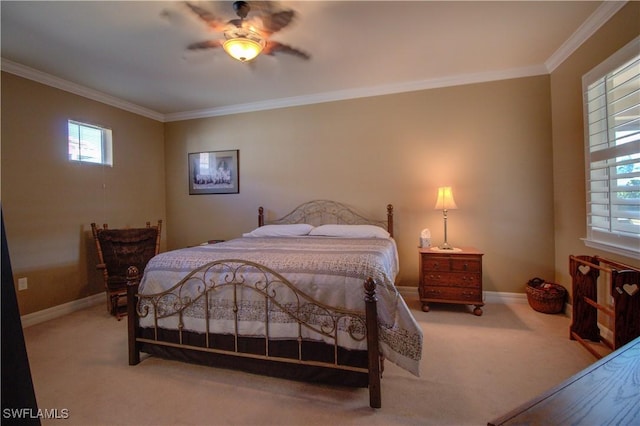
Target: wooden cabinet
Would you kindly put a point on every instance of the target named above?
(452, 276)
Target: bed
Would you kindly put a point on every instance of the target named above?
(310, 296)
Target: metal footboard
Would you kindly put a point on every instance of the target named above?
(267, 290)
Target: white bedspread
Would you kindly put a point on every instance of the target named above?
(330, 270)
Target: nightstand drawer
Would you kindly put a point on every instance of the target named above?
(452, 293)
(466, 264)
(434, 263)
(435, 278)
(453, 279)
(465, 280)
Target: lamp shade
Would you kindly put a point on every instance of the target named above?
(445, 199)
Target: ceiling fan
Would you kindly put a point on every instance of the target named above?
(245, 39)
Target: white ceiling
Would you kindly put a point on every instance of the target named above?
(133, 54)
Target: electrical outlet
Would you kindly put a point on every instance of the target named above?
(22, 283)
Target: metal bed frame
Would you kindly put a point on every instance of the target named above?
(240, 275)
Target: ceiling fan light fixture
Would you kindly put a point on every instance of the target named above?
(243, 45)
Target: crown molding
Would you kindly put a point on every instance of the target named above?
(602, 14)
(340, 95)
(59, 83)
(364, 92)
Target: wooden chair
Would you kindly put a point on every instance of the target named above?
(117, 250)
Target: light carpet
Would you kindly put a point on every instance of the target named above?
(473, 369)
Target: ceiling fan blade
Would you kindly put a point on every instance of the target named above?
(209, 18)
(263, 8)
(274, 47)
(274, 22)
(209, 44)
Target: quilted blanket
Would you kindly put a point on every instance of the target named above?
(330, 270)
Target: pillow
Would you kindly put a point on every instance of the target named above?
(349, 231)
(292, 230)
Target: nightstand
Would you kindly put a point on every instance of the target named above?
(206, 243)
(214, 242)
(451, 276)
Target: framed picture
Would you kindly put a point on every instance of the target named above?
(214, 172)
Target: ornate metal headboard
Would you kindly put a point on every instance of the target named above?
(321, 212)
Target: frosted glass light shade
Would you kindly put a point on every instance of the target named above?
(243, 49)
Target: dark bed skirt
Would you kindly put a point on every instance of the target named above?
(311, 351)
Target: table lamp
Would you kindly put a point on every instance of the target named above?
(445, 202)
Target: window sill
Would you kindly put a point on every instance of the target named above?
(623, 251)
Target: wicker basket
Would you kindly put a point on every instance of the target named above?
(546, 297)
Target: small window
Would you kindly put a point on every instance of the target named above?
(89, 143)
(612, 151)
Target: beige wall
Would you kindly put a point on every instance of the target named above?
(568, 137)
(49, 202)
(491, 142)
(518, 180)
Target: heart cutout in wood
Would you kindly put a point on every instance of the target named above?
(584, 269)
(631, 289)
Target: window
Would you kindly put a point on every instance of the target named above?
(89, 143)
(612, 151)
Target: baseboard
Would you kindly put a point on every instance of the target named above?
(60, 310)
(489, 296)
(67, 308)
(504, 297)
(409, 291)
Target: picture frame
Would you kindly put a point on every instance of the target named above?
(214, 172)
